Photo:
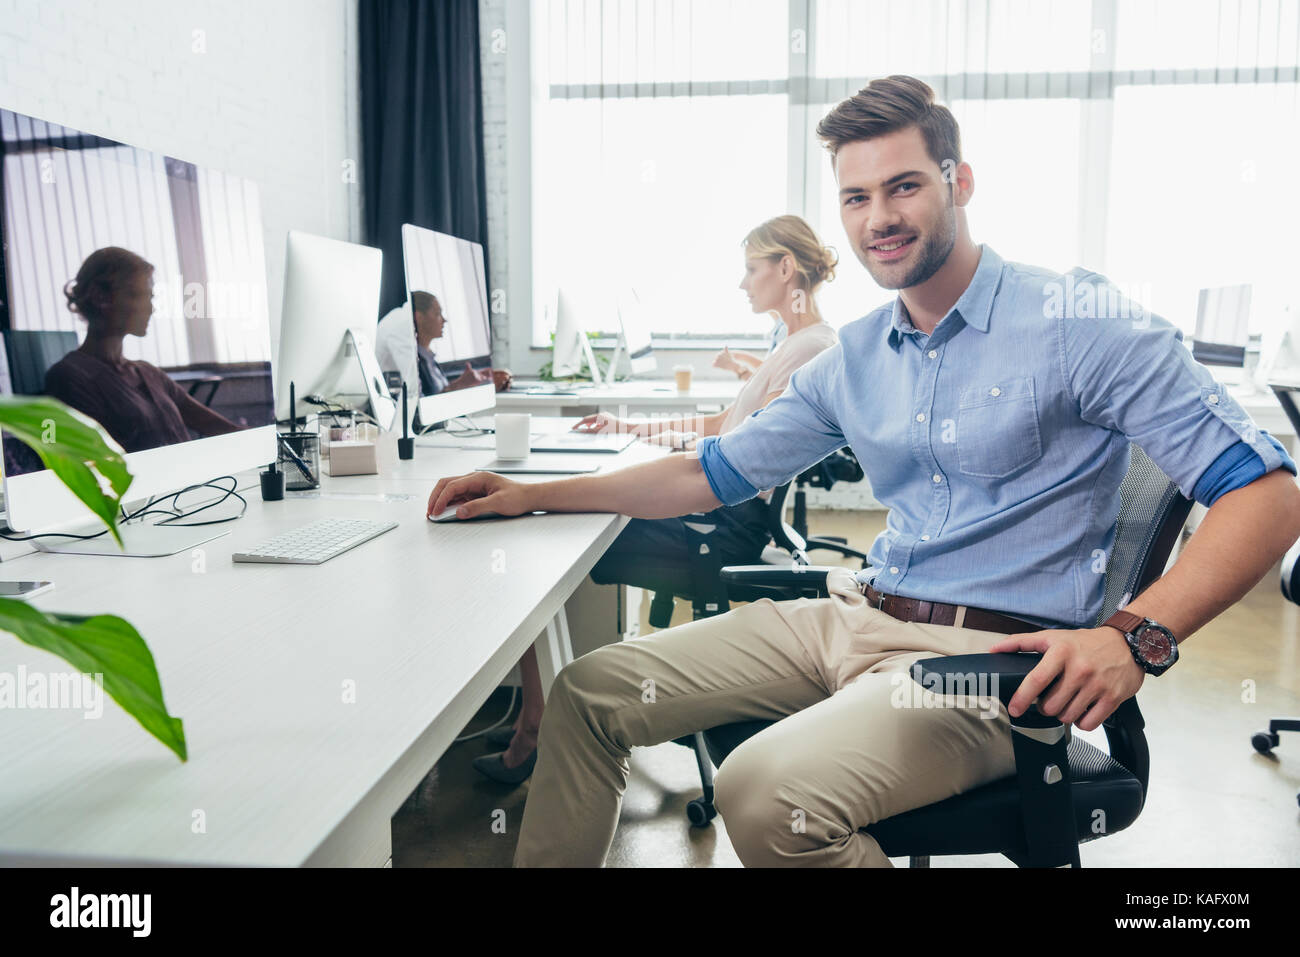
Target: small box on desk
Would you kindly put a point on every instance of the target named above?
(352, 458)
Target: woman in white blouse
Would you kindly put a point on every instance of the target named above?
(785, 263)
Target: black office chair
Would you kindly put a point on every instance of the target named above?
(841, 466)
(1265, 741)
(31, 352)
(1064, 791)
(707, 594)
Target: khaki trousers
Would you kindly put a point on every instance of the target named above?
(860, 741)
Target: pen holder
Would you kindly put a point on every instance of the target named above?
(306, 446)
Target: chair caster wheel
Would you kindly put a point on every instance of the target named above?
(700, 812)
(1263, 741)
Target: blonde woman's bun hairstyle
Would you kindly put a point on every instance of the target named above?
(792, 236)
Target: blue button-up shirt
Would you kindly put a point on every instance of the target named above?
(998, 442)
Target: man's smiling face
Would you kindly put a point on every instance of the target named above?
(897, 208)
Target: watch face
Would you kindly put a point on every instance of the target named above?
(1155, 645)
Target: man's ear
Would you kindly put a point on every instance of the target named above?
(963, 186)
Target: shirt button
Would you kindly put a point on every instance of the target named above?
(893, 569)
(995, 391)
(937, 478)
(1213, 400)
(920, 416)
(925, 538)
(934, 354)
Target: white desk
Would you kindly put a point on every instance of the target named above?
(635, 397)
(422, 623)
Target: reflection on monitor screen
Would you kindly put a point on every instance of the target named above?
(448, 315)
(448, 295)
(136, 290)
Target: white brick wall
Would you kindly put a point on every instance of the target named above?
(267, 90)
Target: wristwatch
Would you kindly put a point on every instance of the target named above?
(1153, 645)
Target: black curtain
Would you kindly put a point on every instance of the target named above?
(421, 126)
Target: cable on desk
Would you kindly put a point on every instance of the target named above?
(471, 432)
(148, 509)
(335, 411)
(211, 483)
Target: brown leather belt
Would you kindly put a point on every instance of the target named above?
(937, 613)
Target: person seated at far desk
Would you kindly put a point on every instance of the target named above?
(137, 403)
(412, 357)
(785, 263)
(997, 431)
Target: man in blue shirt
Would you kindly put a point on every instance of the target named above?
(992, 406)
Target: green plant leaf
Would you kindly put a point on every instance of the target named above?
(73, 449)
(107, 645)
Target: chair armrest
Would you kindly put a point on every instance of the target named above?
(977, 674)
(794, 579)
(1039, 742)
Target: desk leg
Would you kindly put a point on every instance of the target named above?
(554, 650)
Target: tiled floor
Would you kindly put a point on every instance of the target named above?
(1213, 800)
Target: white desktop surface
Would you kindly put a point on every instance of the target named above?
(425, 621)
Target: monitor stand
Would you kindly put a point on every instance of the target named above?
(382, 407)
(139, 540)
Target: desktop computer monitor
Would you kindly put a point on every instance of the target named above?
(168, 349)
(571, 353)
(634, 331)
(1222, 326)
(446, 287)
(327, 323)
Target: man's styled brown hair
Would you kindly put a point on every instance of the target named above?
(889, 104)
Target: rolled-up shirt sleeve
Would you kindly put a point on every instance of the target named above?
(793, 432)
(1130, 372)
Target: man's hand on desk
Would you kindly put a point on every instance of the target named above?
(480, 492)
(1091, 672)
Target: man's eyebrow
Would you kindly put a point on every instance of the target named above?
(896, 178)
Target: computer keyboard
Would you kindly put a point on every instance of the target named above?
(315, 543)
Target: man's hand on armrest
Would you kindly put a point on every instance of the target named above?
(1090, 671)
(665, 488)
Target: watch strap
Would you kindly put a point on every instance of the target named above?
(1126, 622)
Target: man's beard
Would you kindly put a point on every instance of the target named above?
(933, 253)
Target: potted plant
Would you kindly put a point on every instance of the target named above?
(74, 450)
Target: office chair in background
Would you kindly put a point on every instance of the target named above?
(31, 352)
(1064, 791)
(1265, 741)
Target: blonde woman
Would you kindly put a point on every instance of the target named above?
(785, 264)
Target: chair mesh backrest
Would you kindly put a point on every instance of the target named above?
(1152, 511)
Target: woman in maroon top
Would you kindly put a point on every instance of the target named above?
(136, 402)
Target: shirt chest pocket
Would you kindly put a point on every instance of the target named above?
(997, 428)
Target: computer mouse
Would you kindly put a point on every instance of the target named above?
(449, 515)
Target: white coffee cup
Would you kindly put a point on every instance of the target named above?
(513, 434)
